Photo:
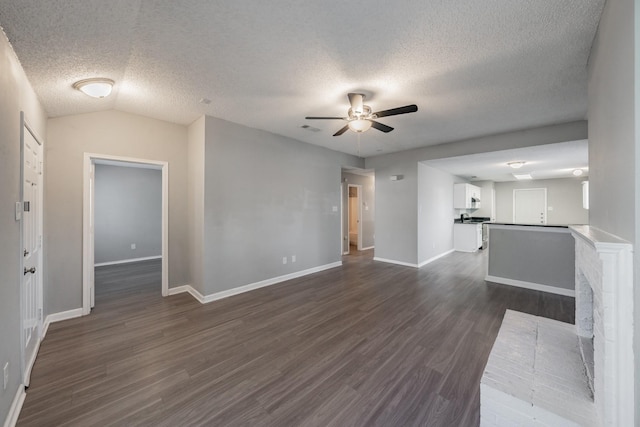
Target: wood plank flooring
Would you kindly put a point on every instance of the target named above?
(366, 344)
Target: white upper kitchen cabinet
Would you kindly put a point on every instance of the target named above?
(466, 196)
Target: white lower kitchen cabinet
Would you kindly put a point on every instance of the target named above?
(467, 237)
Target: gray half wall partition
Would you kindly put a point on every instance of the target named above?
(533, 257)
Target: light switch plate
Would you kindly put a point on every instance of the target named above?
(18, 211)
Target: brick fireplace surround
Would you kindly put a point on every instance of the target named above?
(543, 372)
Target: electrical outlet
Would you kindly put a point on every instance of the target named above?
(133, 246)
(284, 259)
(293, 258)
(5, 375)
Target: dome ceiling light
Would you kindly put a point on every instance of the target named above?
(96, 87)
(516, 165)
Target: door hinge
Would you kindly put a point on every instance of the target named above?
(39, 314)
(26, 206)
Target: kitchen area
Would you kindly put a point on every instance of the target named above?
(469, 229)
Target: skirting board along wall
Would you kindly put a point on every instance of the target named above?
(16, 406)
(392, 261)
(127, 261)
(204, 299)
(530, 285)
(430, 260)
(58, 317)
(407, 264)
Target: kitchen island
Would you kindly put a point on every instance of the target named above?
(540, 257)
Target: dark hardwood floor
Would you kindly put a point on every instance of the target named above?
(367, 344)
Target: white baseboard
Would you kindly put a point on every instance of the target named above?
(188, 289)
(203, 299)
(530, 285)
(58, 317)
(430, 260)
(16, 406)
(391, 261)
(367, 248)
(127, 261)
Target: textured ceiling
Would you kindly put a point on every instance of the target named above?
(472, 67)
(541, 162)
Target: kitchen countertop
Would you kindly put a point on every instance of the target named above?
(529, 225)
(472, 220)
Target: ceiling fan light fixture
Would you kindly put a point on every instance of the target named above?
(516, 165)
(95, 87)
(360, 125)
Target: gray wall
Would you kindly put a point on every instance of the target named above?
(128, 209)
(397, 201)
(563, 195)
(114, 133)
(267, 197)
(368, 208)
(195, 202)
(17, 95)
(435, 212)
(543, 257)
(614, 123)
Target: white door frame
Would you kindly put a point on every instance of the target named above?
(359, 201)
(342, 212)
(88, 203)
(28, 365)
(544, 190)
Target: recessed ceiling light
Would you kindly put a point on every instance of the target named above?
(95, 88)
(516, 165)
(522, 176)
(577, 172)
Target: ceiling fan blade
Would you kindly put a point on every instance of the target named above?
(341, 131)
(325, 118)
(357, 102)
(395, 111)
(380, 126)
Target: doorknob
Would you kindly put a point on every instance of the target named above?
(31, 270)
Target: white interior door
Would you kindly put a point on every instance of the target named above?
(31, 289)
(530, 206)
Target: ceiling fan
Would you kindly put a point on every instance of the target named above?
(360, 118)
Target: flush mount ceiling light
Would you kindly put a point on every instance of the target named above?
(95, 88)
(577, 172)
(516, 165)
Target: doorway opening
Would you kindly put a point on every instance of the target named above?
(355, 217)
(357, 201)
(122, 240)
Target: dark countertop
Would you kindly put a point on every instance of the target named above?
(472, 220)
(530, 225)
